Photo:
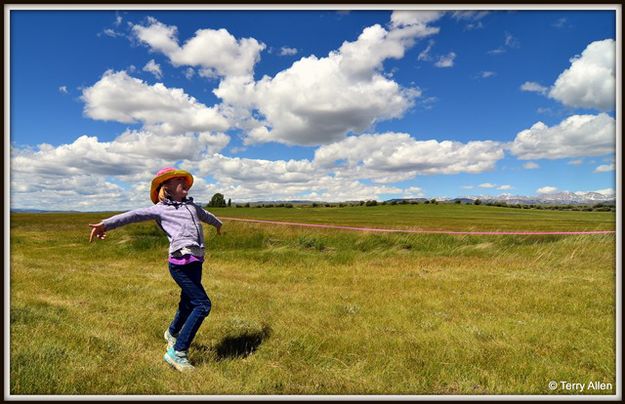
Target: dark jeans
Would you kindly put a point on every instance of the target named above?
(194, 303)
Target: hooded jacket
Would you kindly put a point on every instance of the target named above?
(180, 221)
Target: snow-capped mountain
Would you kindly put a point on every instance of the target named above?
(560, 198)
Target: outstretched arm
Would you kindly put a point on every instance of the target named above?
(138, 215)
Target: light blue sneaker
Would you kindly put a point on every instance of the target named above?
(171, 340)
(178, 359)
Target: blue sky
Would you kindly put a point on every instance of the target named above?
(322, 105)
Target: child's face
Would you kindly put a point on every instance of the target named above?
(178, 188)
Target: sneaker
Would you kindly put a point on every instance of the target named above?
(178, 359)
(171, 340)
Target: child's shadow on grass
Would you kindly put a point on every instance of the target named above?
(233, 346)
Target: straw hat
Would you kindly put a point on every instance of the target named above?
(167, 174)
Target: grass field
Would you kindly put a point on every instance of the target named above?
(313, 311)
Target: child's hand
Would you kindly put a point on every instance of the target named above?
(218, 230)
(97, 231)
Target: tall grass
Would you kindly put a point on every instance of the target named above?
(301, 311)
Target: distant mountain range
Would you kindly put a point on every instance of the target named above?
(560, 198)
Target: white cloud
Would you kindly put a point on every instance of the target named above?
(217, 52)
(319, 100)
(116, 174)
(189, 73)
(424, 55)
(590, 81)
(386, 157)
(315, 101)
(487, 74)
(111, 33)
(606, 192)
(248, 179)
(504, 187)
(285, 51)
(576, 136)
(534, 87)
(153, 68)
(604, 168)
(119, 97)
(547, 190)
(530, 165)
(446, 60)
(576, 162)
(487, 185)
(413, 192)
(63, 89)
(416, 19)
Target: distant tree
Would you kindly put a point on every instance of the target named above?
(434, 201)
(217, 201)
(229, 202)
(371, 203)
(477, 202)
(458, 202)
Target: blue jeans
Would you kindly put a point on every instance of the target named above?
(194, 303)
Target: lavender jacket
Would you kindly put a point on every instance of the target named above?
(179, 220)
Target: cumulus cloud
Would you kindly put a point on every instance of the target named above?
(393, 156)
(63, 90)
(590, 81)
(487, 185)
(119, 97)
(216, 52)
(547, 190)
(534, 87)
(153, 68)
(129, 153)
(604, 168)
(413, 192)
(446, 60)
(320, 100)
(316, 100)
(576, 136)
(250, 179)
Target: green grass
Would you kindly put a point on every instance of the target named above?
(312, 311)
(434, 217)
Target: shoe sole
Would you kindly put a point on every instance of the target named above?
(176, 366)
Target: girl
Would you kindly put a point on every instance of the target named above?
(180, 219)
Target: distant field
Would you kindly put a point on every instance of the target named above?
(317, 311)
(434, 217)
